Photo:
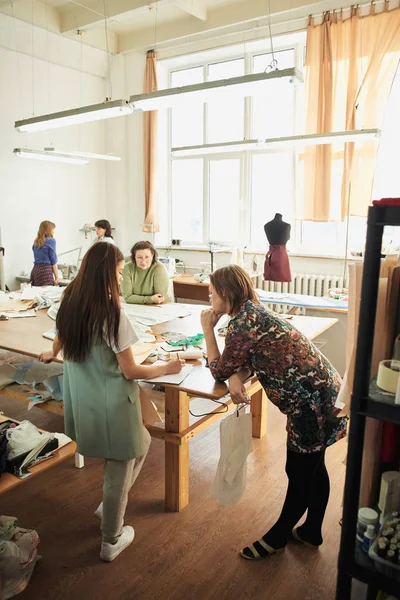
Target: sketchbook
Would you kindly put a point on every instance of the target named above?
(177, 378)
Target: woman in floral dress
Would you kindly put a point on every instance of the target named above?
(298, 379)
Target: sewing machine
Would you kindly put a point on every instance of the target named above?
(169, 264)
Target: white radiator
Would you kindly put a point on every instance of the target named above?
(302, 283)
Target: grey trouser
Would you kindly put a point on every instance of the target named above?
(119, 476)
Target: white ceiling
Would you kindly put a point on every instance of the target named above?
(140, 24)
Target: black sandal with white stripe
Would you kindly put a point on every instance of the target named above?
(258, 550)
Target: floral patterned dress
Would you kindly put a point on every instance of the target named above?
(296, 377)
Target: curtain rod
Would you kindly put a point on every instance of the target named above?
(289, 21)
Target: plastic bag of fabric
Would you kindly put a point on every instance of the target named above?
(22, 438)
(236, 445)
(18, 556)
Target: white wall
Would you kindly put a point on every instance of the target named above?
(125, 181)
(30, 190)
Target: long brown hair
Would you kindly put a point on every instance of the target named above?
(233, 284)
(45, 230)
(90, 307)
(144, 246)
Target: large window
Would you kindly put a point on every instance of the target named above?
(228, 197)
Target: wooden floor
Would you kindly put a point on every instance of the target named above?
(190, 555)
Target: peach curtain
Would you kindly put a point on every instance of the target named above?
(151, 221)
(350, 67)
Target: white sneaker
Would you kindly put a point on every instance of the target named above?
(98, 513)
(109, 552)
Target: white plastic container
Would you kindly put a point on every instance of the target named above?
(366, 516)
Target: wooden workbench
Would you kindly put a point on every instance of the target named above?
(9, 481)
(25, 336)
(188, 288)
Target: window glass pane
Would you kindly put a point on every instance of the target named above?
(225, 118)
(271, 192)
(320, 237)
(273, 112)
(187, 199)
(187, 119)
(224, 182)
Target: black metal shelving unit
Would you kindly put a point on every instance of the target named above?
(352, 563)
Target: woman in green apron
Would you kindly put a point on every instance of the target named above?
(101, 397)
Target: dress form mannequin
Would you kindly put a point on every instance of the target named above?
(276, 266)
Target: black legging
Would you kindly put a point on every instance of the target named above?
(308, 489)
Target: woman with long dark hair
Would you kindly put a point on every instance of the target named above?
(101, 397)
(44, 270)
(298, 379)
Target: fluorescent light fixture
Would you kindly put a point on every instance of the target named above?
(282, 142)
(92, 155)
(218, 148)
(84, 114)
(246, 85)
(49, 156)
(311, 139)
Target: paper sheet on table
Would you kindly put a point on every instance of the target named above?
(177, 378)
(19, 315)
(141, 351)
(143, 332)
(51, 291)
(302, 300)
(49, 335)
(9, 304)
(63, 439)
(155, 315)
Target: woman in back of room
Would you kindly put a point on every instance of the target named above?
(45, 270)
(102, 409)
(146, 280)
(299, 380)
(103, 231)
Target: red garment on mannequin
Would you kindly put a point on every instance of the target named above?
(276, 266)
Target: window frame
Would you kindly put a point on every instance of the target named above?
(296, 243)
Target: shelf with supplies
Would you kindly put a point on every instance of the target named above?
(368, 400)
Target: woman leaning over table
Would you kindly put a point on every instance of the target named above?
(298, 379)
(101, 397)
(45, 270)
(146, 280)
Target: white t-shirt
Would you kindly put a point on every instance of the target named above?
(126, 335)
(107, 239)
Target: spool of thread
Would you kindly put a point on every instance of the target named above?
(388, 375)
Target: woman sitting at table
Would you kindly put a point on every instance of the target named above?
(145, 280)
(101, 397)
(298, 379)
(45, 271)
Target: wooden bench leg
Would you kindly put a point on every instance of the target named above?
(79, 460)
(259, 403)
(176, 456)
